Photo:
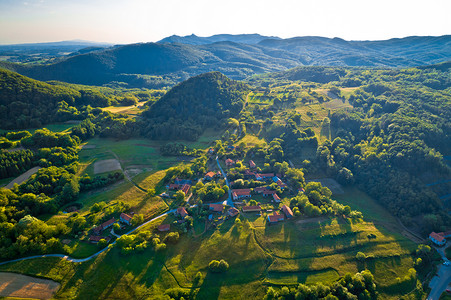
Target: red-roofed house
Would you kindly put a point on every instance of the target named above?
(276, 198)
(275, 217)
(185, 188)
(104, 226)
(254, 208)
(124, 218)
(437, 238)
(164, 227)
(233, 212)
(181, 211)
(268, 192)
(241, 193)
(260, 189)
(216, 207)
(229, 162)
(287, 211)
(252, 165)
(209, 176)
(174, 186)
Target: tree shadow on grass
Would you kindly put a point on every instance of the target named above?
(211, 286)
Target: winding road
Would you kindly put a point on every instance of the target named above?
(229, 199)
(441, 281)
(79, 260)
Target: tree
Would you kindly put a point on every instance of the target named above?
(179, 196)
(137, 219)
(151, 192)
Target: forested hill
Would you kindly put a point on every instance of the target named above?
(237, 57)
(198, 103)
(25, 102)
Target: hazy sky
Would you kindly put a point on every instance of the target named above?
(131, 21)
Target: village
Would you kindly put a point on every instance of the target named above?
(262, 201)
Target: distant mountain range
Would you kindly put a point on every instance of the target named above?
(237, 56)
(39, 52)
(197, 40)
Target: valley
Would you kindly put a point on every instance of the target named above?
(331, 177)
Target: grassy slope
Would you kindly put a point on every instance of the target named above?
(283, 254)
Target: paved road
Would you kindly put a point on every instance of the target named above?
(72, 259)
(229, 199)
(441, 281)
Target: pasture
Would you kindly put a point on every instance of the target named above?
(303, 249)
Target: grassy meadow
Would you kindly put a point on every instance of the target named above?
(307, 250)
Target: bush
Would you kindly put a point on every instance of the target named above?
(172, 238)
(218, 266)
(160, 247)
(360, 256)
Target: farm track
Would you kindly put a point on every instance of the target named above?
(125, 173)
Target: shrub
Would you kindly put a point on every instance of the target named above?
(360, 256)
(172, 238)
(218, 266)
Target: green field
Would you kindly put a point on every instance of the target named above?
(284, 254)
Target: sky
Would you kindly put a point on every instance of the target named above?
(132, 21)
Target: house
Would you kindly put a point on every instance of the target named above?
(216, 207)
(437, 239)
(104, 226)
(241, 193)
(96, 238)
(276, 198)
(301, 190)
(446, 234)
(264, 176)
(229, 162)
(275, 217)
(268, 192)
(279, 182)
(185, 188)
(209, 176)
(252, 165)
(211, 151)
(233, 212)
(230, 147)
(287, 211)
(124, 218)
(254, 208)
(249, 174)
(164, 227)
(181, 211)
(182, 181)
(174, 186)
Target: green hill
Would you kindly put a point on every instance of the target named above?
(235, 56)
(25, 102)
(194, 105)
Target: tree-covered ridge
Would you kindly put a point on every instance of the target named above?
(393, 139)
(25, 102)
(178, 58)
(194, 105)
